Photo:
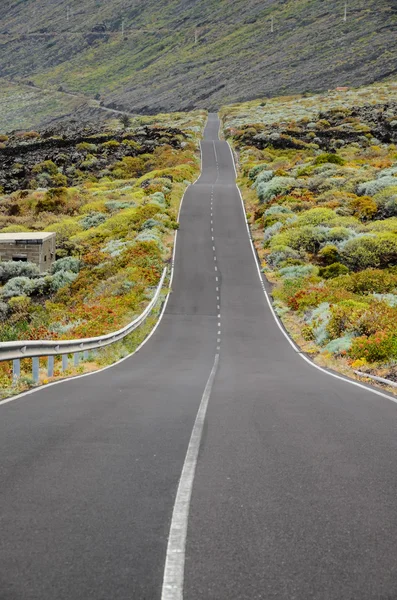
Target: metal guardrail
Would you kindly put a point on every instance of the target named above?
(34, 349)
(376, 378)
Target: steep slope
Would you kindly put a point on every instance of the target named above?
(181, 54)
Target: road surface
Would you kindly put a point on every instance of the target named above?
(295, 490)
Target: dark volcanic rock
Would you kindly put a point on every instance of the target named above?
(333, 129)
(68, 147)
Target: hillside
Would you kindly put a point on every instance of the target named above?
(112, 196)
(179, 55)
(319, 178)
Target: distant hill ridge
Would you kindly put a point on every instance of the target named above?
(166, 55)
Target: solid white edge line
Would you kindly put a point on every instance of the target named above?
(285, 334)
(75, 377)
(172, 588)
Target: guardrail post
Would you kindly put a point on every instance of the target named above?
(64, 362)
(85, 354)
(16, 370)
(50, 366)
(35, 369)
(76, 359)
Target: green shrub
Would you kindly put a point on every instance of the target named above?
(54, 201)
(159, 198)
(129, 166)
(42, 286)
(263, 177)
(89, 163)
(340, 345)
(3, 311)
(318, 322)
(367, 251)
(329, 158)
(383, 226)
(18, 286)
(132, 144)
(280, 254)
(256, 170)
(363, 207)
(47, 166)
(337, 234)
(65, 229)
(386, 202)
(68, 263)
(92, 220)
(59, 180)
(328, 255)
(316, 216)
(345, 316)
(334, 270)
(111, 145)
(275, 187)
(61, 279)
(302, 238)
(376, 348)
(114, 205)
(278, 209)
(11, 269)
(296, 271)
(150, 223)
(389, 299)
(86, 147)
(368, 281)
(15, 229)
(271, 231)
(370, 188)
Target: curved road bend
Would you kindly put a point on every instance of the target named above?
(295, 490)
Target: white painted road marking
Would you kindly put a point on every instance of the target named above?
(175, 558)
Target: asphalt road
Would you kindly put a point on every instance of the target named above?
(294, 496)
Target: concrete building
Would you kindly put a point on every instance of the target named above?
(35, 247)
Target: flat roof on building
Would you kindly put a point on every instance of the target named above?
(28, 235)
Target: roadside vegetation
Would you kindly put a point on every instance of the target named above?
(112, 197)
(319, 180)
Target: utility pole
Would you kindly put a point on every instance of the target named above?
(345, 13)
